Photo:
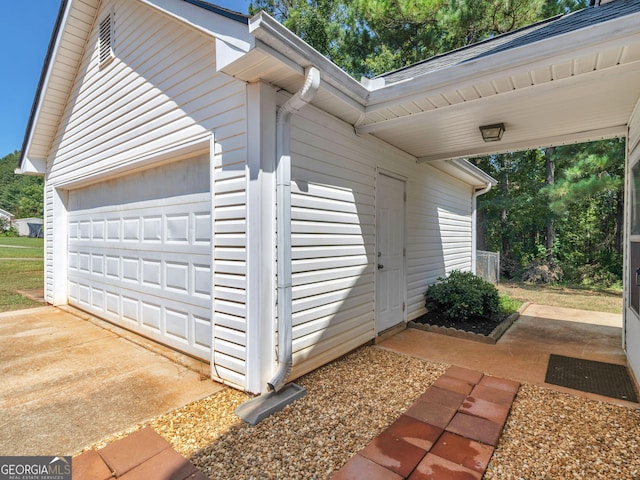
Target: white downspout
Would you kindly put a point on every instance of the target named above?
(283, 212)
(474, 225)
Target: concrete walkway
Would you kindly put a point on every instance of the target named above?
(522, 354)
(67, 383)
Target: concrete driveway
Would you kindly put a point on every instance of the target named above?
(67, 382)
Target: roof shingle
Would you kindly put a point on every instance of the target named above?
(543, 30)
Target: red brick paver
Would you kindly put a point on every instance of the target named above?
(449, 433)
(143, 455)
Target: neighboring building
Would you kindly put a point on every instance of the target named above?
(6, 219)
(29, 227)
(210, 179)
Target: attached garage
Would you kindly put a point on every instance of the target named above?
(140, 253)
(193, 106)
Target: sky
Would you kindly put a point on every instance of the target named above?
(25, 31)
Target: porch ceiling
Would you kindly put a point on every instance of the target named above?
(566, 80)
(568, 100)
(555, 111)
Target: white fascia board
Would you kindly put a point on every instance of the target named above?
(494, 148)
(35, 166)
(557, 49)
(233, 39)
(269, 31)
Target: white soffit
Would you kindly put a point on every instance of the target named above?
(572, 110)
(584, 94)
(64, 59)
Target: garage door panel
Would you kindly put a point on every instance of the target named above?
(145, 264)
(134, 281)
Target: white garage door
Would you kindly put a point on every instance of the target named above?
(140, 253)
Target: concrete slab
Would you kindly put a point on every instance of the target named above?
(68, 383)
(522, 354)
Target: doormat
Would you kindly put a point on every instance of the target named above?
(601, 378)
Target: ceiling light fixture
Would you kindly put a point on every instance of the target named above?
(492, 133)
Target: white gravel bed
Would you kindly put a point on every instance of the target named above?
(549, 435)
(554, 435)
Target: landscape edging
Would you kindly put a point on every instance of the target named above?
(492, 338)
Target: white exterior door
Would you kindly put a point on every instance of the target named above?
(390, 242)
(140, 254)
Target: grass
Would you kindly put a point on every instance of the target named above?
(597, 300)
(18, 247)
(19, 272)
(509, 305)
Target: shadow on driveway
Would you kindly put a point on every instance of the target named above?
(67, 383)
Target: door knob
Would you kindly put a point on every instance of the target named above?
(380, 266)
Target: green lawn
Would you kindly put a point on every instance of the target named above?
(18, 247)
(19, 272)
(598, 300)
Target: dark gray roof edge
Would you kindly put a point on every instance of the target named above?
(527, 35)
(43, 76)
(237, 16)
(475, 44)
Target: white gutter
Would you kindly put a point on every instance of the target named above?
(272, 33)
(283, 212)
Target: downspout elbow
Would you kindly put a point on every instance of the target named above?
(482, 191)
(283, 199)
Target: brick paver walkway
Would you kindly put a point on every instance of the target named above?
(143, 455)
(448, 433)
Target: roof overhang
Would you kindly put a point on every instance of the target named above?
(46, 109)
(578, 86)
(573, 87)
(281, 58)
(68, 42)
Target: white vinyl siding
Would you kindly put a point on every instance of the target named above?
(162, 91)
(48, 243)
(333, 233)
(440, 232)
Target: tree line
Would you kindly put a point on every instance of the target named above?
(557, 214)
(20, 195)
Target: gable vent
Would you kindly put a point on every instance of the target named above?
(106, 40)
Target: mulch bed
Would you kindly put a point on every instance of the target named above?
(481, 327)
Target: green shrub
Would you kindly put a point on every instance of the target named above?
(463, 296)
